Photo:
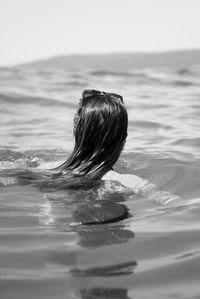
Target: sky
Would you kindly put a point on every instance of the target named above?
(37, 29)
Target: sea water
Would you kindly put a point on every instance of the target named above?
(46, 248)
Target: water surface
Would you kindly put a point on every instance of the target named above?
(151, 252)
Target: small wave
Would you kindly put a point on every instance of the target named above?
(137, 77)
(184, 72)
(132, 74)
(192, 71)
(193, 142)
(102, 73)
(8, 155)
(149, 125)
(183, 83)
(12, 159)
(72, 83)
(16, 98)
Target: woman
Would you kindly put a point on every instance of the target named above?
(100, 131)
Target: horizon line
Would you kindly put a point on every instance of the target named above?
(142, 52)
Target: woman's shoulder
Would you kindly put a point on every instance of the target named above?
(110, 175)
(50, 165)
(128, 180)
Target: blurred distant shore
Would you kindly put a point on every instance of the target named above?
(120, 61)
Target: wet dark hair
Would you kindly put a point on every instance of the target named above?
(100, 131)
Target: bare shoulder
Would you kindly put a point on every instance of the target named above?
(49, 165)
(128, 180)
(110, 175)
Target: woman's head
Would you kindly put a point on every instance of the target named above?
(100, 131)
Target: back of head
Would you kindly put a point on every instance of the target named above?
(100, 131)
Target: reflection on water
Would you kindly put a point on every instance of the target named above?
(97, 223)
(100, 213)
(117, 269)
(101, 293)
(101, 236)
(88, 215)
